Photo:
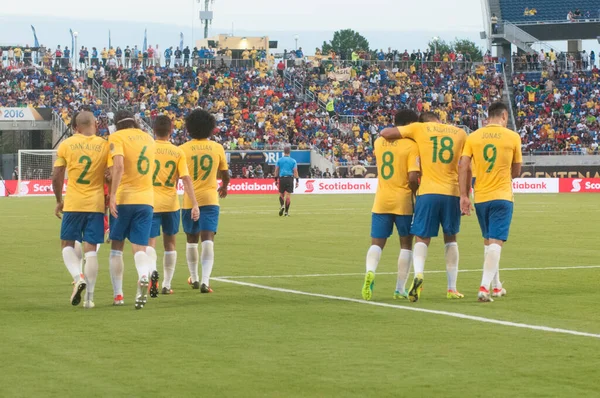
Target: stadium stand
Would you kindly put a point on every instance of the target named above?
(548, 10)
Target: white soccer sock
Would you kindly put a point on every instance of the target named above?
(496, 284)
(419, 257)
(142, 264)
(373, 256)
(116, 268)
(491, 264)
(208, 260)
(403, 269)
(169, 261)
(79, 252)
(191, 254)
(72, 262)
(452, 264)
(153, 258)
(91, 273)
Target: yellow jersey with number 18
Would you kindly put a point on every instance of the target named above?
(204, 159)
(440, 146)
(493, 150)
(169, 166)
(85, 160)
(395, 159)
(137, 149)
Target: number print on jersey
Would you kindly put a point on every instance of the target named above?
(490, 159)
(446, 146)
(143, 163)
(205, 164)
(88, 163)
(169, 182)
(387, 165)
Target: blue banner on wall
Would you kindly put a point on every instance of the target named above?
(269, 157)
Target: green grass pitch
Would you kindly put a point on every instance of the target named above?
(248, 341)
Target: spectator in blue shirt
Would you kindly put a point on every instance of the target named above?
(168, 55)
(299, 53)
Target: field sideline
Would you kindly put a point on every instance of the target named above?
(286, 318)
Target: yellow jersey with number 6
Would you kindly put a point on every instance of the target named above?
(440, 146)
(85, 160)
(493, 150)
(137, 149)
(169, 166)
(395, 159)
(204, 159)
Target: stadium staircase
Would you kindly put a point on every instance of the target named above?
(60, 130)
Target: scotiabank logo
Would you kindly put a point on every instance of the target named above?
(529, 185)
(580, 185)
(576, 185)
(535, 185)
(310, 186)
(253, 186)
(343, 186)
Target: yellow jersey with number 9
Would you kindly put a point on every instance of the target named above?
(395, 159)
(493, 150)
(137, 149)
(169, 166)
(204, 159)
(440, 146)
(85, 160)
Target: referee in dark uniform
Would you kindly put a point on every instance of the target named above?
(285, 172)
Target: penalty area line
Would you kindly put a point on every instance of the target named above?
(415, 309)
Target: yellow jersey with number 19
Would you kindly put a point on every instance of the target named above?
(395, 159)
(204, 159)
(169, 166)
(137, 149)
(440, 146)
(85, 160)
(493, 150)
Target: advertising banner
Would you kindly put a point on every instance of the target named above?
(269, 157)
(25, 114)
(589, 171)
(579, 185)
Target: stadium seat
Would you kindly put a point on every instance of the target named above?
(547, 10)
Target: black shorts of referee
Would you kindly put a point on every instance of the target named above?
(286, 184)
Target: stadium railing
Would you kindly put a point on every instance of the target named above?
(554, 22)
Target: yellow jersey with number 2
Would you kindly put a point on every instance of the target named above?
(169, 166)
(493, 150)
(395, 159)
(137, 149)
(85, 160)
(440, 146)
(204, 159)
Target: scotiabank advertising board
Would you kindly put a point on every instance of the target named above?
(579, 185)
(535, 185)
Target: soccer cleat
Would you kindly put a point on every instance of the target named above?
(194, 285)
(142, 293)
(153, 290)
(414, 294)
(166, 290)
(287, 214)
(454, 294)
(205, 289)
(484, 295)
(88, 304)
(367, 289)
(281, 211)
(398, 295)
(498, 292)
(118, 300)
(77, 290)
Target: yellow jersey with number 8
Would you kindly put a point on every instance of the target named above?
(204, 159)
(440, 146)
(85, 160)
(137, 149)
(395, 159)
(493, 150)
(169, 166)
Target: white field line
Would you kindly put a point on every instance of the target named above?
(394, 273)
(415, 309)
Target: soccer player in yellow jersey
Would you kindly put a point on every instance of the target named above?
(84, 157)
(398, 179)
(495, 154)
(131, 200)
(438, 200)
(169, 166)
(206, 162)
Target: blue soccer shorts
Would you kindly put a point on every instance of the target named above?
(134, 222)
(494, 218)
(433, 210)
(382, 225)
(83, 227)
(208, 221)
(169, 221)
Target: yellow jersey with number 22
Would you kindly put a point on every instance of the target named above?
(169, 166)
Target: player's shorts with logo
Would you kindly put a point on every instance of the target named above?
(494, 218)
(286, 184)
(83, 227)
(433, 210)
(169, 221)
(382, 225)
(208, 221)
(134, 222)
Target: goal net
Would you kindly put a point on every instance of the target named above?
(35, 172)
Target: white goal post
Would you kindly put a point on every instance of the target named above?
(35, 172)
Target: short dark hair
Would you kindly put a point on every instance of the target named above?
(125, 120)
(405, 117)
(200, 124)
(74, 121)
(162, 126)
(429, 117)
(497, 109)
